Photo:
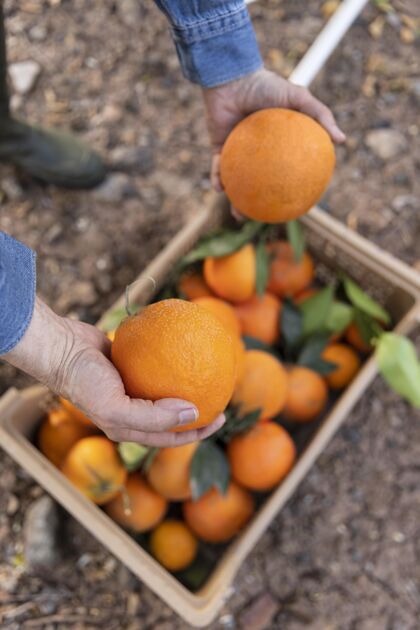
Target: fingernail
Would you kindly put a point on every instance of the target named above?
(339, 134)
(188, 415)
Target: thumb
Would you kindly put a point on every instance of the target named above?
(164, 414)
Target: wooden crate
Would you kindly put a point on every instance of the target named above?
(394, 284)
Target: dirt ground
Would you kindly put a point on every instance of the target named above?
(344, 554)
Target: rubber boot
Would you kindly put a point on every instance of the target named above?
(51, 156)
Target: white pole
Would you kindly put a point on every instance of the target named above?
(326, 42)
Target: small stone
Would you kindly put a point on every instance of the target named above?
(40, 531)
(11, 189)
(398, 537)
(404, 201)
(227, 621)
(139, 160)
(114, 189)
(260, 613)
(38, 33)
(23, 75)
(386, 143)
(12, 505)
(377, 26)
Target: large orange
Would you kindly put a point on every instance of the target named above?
(169, 472)
(232, 277)
(307, 395)
(138, 507)
(260, 458)
(288, 277)
(223, 311)
(177, 349)
(276, 164)
(76, 413)
(217, 517)
(347, 362)
(173, 545)
(58, 433)
(259, 317)
(263, 385)
(94, 467)
(192, 285)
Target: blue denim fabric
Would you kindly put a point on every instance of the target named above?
(17, 290)
(214, 39)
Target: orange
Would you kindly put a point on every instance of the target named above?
(259, 317)
(232, 277)
(240, 352)
(76, 413)
(347, 362)
(224, 312)
(217, 517)
(354, 338)
(94, 467)
(58, 433)
(173, 545)
(307, 395)
(169, 472)
(263, 385)
(177, 349)
(276, 164)
(288, 277)
(260, 458)
(192, 285)
(138, 507)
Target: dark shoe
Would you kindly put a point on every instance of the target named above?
(51, 156)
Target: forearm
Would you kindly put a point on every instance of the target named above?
(215, 41)
(44, 348)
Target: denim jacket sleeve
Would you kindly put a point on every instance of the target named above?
(214, 39)
(17, 291)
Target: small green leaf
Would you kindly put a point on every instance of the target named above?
(400, 366)
(132, 454)
(339, 317)
(194, 576)
(364, 302)
(291, 324)
(209, 467)
(251, 343)
(262, 261)
(223, 242)
(311, 354)
(316, 309)
(115, 317)
(235, 424)
(296, 239)
(367, 326)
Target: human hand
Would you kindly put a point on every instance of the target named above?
(72, 359)
(227, 104)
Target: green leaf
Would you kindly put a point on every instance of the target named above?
(316, 309)
(339, 317)
(310, 355)
(291, 324)
(262, 261)
(364, 302)
(209, 467)
(223, 242)
(235, 425)
(251, 343)
(194, 576)
(132, 454)
(400, 366)
(115, 317)
(296, 239)
(368, 327)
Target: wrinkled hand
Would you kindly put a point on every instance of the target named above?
(227, 104)
(72, 359)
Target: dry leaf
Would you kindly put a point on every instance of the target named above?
(376, 27)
